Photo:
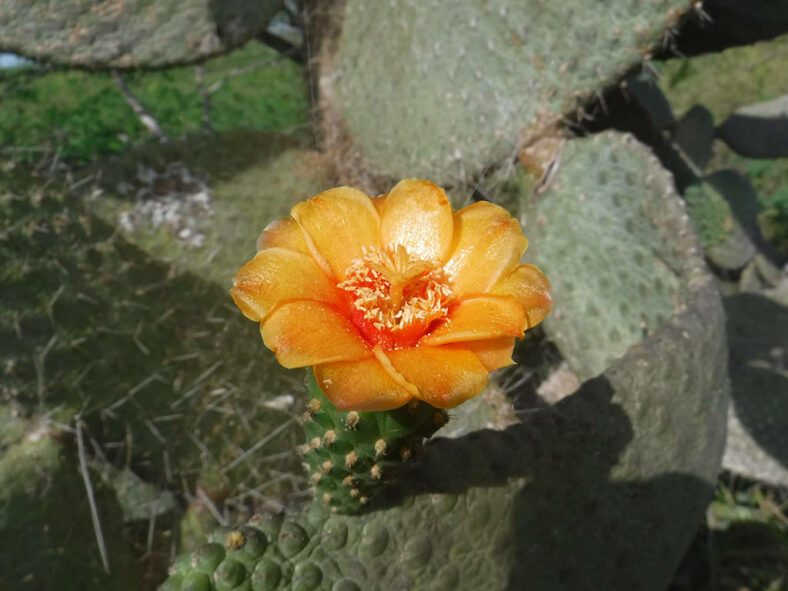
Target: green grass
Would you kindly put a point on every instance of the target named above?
(727, 80)
(167, 377)
(722, 82)
(769, 178)
(84, 116)
(749, 536)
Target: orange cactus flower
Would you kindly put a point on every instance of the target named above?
(395, 297)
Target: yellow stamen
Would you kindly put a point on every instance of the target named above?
(395, 292)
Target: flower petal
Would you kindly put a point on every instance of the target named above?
(284, 233)
(360, 385)
(531, 289)
(306, 332)
(338, 224)
(480, 317)
(445, 376)
(493, 353)
(487, 245)
(417, 215)
(277, 274)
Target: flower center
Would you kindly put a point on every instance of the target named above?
(395, 297)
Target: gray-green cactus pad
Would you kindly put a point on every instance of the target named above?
(611, 234)
(444, 89)
(119, 34)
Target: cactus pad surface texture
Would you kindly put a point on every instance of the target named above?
(122, 34)
(444, 89)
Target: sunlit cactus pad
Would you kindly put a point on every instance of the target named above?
(611, 233)
(443, 89)
(120, 34)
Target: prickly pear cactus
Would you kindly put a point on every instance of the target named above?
(443, 90)
(620, 275)
(117, 34)
(601, 490)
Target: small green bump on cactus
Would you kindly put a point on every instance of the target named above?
(173, 583)
(206, 558)
(292, 539)
(266, 575)
(447, 578)
(181, 565)
(374, 539)
(417, 552)
(306, 576)
(229, 574)
(196, 581)
(268, 523)
(246, 544)
(334, 534)
(345, 585)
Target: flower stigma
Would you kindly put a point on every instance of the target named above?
(396, 297)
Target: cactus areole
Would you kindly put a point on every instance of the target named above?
(401, 307)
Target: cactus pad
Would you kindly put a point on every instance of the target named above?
(129, 35)
(610, 232)
(442, 90)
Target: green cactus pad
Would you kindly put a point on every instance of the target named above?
(350, 456)
(129, 35)
(608, 231)
(443, 90)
